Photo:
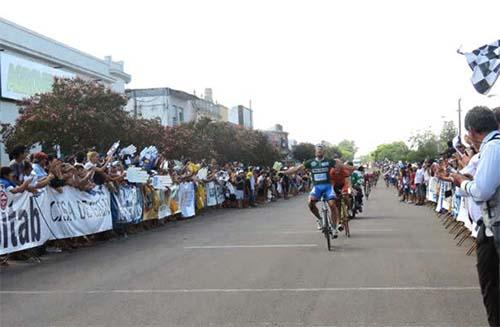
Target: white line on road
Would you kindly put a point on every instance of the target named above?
(354, 230)
(245, 290)
(252, 246)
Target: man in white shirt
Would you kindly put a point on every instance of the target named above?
(420, 185)
(484, 189)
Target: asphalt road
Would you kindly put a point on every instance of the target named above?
(257, 267)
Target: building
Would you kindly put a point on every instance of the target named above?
(241, 115)
(278, 138)
(172, 107)
(29, 62)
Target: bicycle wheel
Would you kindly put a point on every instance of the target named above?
(345, 217)
(327, 229)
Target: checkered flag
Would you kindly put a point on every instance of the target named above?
(485, 64)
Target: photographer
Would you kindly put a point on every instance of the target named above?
(484, 189)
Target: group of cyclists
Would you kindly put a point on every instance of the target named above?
(342, 185)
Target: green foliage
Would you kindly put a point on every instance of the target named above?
(223, 141)
(448, 132)
(425, 145)
(303, 151)
(394, 151)
(347, 149)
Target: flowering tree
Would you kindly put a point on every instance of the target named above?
(76, 115)
(206, 139)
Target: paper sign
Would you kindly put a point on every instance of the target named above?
(162, 182)
(113, 149)
(277, 166)
(130, 150)
(137, 175)
(203, 173)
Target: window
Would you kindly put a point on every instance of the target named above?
(181, 115)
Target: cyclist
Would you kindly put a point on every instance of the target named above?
(340, 179)
(368, 183)
(320, 167)
(357, 184)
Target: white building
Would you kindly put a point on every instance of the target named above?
(29, 62)
(241, 115)
(171, 107)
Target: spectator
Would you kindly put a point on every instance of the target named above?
(484, 189)
(17, 157)
(420, 185)
(40, 162)
(7, 180)
(497, 116)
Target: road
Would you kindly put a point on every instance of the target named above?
(266, 266)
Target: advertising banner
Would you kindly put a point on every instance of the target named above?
(127, 205)
(211, 191)
(21, 222)
(73, 213)
(21, 78)
(187, 199)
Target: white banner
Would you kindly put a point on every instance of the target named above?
(73, 213)
(211, 192)
(186, 199)
(21, 222)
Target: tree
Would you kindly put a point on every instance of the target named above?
(448, 132)
(348, 149)
(333, 152)
(76, 115)
(303, 151)
(222, 141)
(394, 151)
(425, 145)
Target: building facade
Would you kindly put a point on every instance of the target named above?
(172, 107)
(278, 138)
(241, 115)
(29, 62)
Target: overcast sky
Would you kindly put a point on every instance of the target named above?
(371, 71)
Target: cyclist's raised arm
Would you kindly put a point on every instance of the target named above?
(293, 170)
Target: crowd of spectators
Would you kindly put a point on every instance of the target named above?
(463, 185)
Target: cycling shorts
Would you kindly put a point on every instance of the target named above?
(323, 190)
(341, 189)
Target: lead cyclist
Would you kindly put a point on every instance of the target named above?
(320, 168)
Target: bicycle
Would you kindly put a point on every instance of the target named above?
(325, 220)
(345, 213)
(368, 189)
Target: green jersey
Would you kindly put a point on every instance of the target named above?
(320, 170)
(357, 178)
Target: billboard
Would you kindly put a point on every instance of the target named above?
(21, 78)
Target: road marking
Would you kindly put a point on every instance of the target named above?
(246, 290)
(251, 246)
(354, 230)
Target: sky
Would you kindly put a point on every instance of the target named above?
(370, 71)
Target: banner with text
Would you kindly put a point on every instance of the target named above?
(73, 213)
(21, 223)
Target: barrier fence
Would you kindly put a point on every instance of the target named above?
(454, 210)
(28, 220)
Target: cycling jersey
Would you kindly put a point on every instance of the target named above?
(338, 176)
(357, 178)
(320, 170)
